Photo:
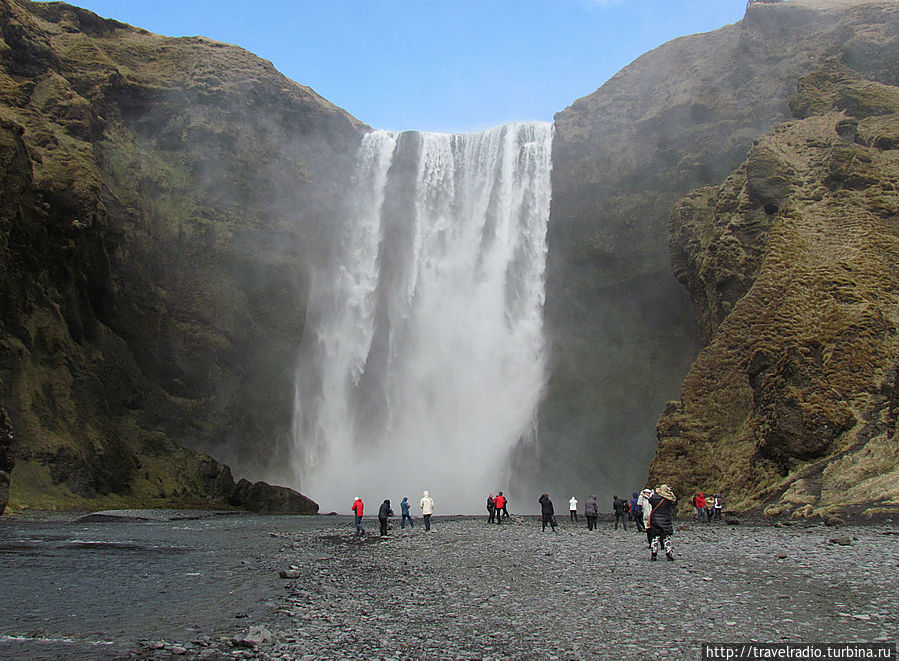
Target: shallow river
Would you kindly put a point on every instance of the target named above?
(87, 589)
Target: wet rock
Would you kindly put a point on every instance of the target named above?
(289, 573)
(845, 540)
(259, 635)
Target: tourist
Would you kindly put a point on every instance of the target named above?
(404, 508)
(384, 515)
(546, 509)
(699, 506)
(643, 504)
(620, 508)
(500, 503)
(591, 511)
(709, 509)
(661, 521)
(572, 509)
(491, 509)
(718, 506)
(357, 508)
(637, 512)
(427, 509)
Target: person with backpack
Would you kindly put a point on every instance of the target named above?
(661, 521)
(384, 515)
(546, 509)
(619, 507)
(591, 511)
(404, 508)
(491, 509)
(637, 512)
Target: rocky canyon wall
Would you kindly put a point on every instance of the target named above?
(792, 405)
(161, 201)
(623, 332)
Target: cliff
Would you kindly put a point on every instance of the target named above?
(161, 202)
(793, 261)
(623, 331)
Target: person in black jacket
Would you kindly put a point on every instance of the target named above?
(384, 515)
(491, 509)
(661, 521)
(546, 509)
(620, 508)
(591, 511)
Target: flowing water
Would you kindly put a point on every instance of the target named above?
(423, 360)
(80, 589)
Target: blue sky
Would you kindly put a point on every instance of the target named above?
(437, 65)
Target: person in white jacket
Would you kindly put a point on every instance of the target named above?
(572, 509)
(643, 501)
(427, 509)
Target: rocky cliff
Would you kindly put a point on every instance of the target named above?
(161, 200)
(792, 405)
(623, 332)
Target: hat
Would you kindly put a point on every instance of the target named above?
(356, 498)
(665, 492)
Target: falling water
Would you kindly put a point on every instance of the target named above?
(423, 359)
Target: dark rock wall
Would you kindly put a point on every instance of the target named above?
(162, 203)
(623, 332)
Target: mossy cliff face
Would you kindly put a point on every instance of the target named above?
(792, 405)
(623, 332)
(161, 202)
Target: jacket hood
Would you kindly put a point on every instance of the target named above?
(425, 494)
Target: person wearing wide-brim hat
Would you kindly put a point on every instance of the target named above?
(661, 521)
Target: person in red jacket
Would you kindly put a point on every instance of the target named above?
(357, 508)
(699, 504)
(500, 502)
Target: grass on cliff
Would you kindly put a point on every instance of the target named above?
(32, 488)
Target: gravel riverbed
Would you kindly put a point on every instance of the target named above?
(470, 590)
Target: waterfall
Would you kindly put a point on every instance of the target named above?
(422, 362)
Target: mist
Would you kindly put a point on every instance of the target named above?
(423, 364)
